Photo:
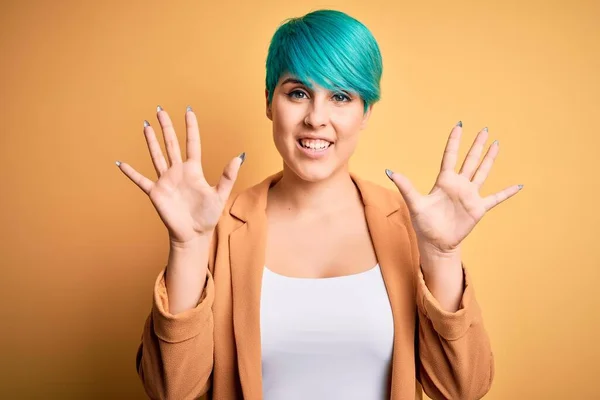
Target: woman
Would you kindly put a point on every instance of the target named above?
(315, 283)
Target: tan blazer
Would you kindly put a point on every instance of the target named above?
(216, 347)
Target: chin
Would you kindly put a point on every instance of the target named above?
(310, 170)
(313, 173)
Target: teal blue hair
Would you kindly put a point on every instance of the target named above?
(329, 48)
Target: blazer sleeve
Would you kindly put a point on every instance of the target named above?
(175, 357)
(455, 359)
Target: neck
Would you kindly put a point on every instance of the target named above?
(293, 194)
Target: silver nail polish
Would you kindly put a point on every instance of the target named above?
(243, 157)
(485, 129)
(520, 187)
(188, 108)
(495, 142)
(146, 123)
(459, 123)
(388, 173)
(158, 108)
(118, 163)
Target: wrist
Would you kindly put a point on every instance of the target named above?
(436, 262)
(198, 242)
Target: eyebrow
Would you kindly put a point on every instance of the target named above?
(297, 81)
(292, 80)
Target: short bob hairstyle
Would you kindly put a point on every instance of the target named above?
(329, 48)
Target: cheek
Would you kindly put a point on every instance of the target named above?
(347, 124)
(284, 116)
(285, 119)
(288, 120)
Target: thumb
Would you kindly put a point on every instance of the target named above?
(229, 176)
(406, 188)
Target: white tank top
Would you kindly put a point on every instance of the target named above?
(326, 339)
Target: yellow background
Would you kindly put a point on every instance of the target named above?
(81, 245)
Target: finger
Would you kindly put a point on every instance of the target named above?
(472, 160)
(486, 165)
(171, 142)
(192, 135)
(493, 200)
(140, 180)
(406, 188)
(229, 176)
(158, 159)
(451, 150)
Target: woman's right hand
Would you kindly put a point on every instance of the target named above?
(188, 206)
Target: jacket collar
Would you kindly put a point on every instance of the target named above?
(254, 200)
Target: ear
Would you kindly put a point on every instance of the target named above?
(366, 116)
(268, 106)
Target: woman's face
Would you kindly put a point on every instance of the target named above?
(315, 130)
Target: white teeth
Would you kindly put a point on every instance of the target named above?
(317, 144)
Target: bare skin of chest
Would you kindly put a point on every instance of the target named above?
(319, 247)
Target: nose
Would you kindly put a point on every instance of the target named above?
(317, 115)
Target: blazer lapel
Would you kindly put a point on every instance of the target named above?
(393, 249)
(247, 246)
(247, 255)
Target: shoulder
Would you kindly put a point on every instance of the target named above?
(388, 200)
(376, 191)
(248, 204)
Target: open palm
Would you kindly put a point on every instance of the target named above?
(443, 218)
(186, 203)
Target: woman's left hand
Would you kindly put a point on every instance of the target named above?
(443, 218)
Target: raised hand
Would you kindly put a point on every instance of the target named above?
(186, 203)
(443, 218)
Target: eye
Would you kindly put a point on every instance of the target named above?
(298, 94)
(341, 97)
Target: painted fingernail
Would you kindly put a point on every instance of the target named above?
(188, 108)
(388, 173)
(118, 163)
(243, 157)
(158, 108)
(146, 123)
(459, 123)
(485, 129)
(496, 142)
(520, 187)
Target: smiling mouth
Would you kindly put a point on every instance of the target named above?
(315, 148)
